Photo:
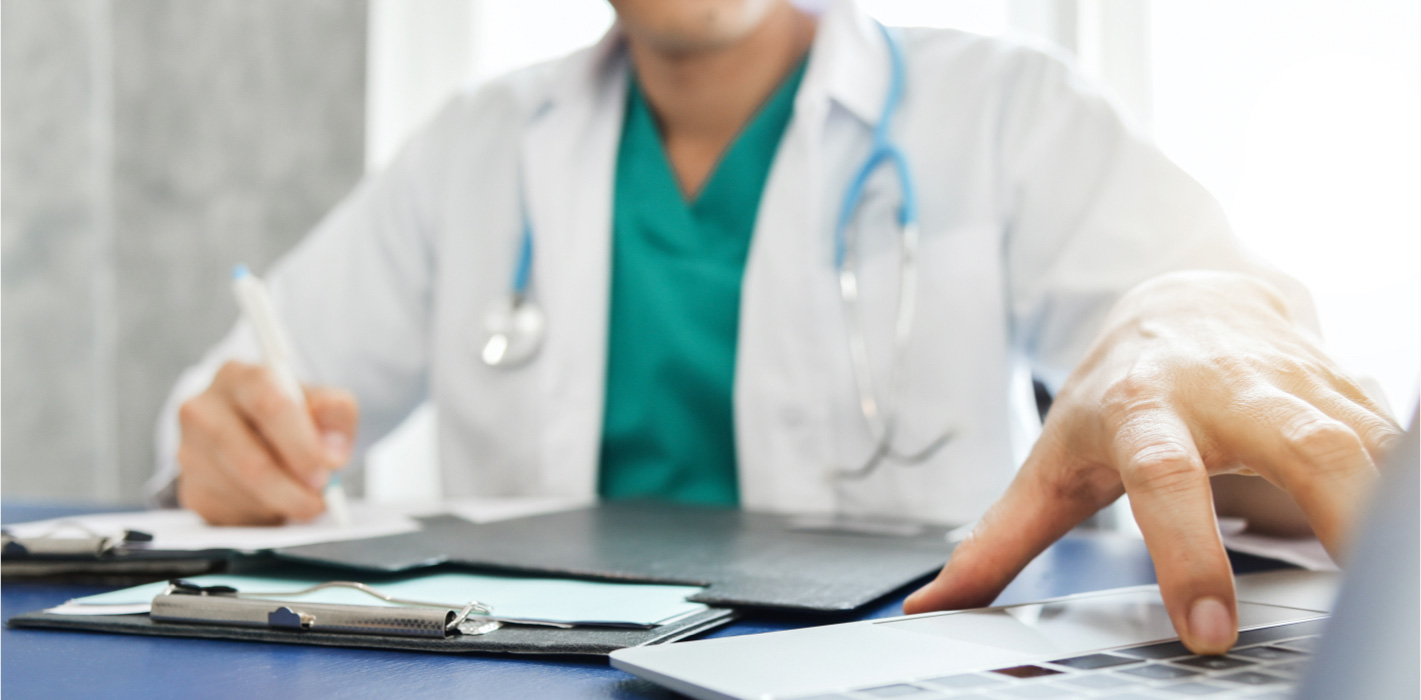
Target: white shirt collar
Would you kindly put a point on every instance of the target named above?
(849, 62)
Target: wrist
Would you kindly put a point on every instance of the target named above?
(1193, 312)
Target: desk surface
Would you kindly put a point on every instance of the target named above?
(60, 664)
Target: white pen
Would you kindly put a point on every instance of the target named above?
(255, 302)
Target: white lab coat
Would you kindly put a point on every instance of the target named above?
(1040, 206)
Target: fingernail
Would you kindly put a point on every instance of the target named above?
(337, 447)
(1211, 628)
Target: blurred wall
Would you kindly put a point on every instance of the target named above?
(148, 145)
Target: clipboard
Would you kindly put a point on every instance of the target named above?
(188, 610)
(138, 546)
(743, 559)
(99, 559)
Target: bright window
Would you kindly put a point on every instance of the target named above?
(1302, 118)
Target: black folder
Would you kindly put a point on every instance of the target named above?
(744, 559)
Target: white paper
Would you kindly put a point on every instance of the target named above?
(75, 607)
(183, 530)
(487, 510)
(1306, 552)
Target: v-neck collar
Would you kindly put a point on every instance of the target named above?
(759, 134)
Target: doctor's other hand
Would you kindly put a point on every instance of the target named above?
(1195, 375)
(249, 455)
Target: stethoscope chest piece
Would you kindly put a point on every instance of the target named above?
(513, 331)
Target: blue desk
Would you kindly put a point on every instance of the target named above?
(54, 664)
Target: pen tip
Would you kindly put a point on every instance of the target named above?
(239, 271)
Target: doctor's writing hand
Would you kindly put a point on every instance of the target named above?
(1196, 374)
(250, 455)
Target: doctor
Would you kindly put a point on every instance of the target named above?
(739, 253)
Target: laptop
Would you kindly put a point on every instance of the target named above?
(1110, 644)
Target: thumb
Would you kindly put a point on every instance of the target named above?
(337, 415)
(1049, 496)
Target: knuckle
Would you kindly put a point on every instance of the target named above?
(1323, 442)
(1230, 366)
(1385, 437)
(1294, 372)
(1136, 391)
(267, 400)
(1375, 431)
(1163, 467)
(1341, 381)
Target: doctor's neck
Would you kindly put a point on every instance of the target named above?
(705, 68)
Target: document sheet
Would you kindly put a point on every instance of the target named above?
(184, 530)
(512, 598)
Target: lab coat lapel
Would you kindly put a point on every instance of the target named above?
(791, 355)
(569, 152)
(777, 400)
(790, 351)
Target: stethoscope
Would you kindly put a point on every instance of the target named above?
(515, 325)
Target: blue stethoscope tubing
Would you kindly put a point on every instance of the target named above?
(881, 417)
(515, 326)
(883, 149)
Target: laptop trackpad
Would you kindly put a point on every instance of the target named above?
(1078, 625)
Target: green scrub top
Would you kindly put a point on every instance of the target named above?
(667, 429)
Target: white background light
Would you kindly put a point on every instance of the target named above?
(1301, 116)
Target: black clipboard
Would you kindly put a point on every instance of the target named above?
(509, 639)
(101, 560)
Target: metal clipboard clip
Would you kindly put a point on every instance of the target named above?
(50, 544)
(183, 601)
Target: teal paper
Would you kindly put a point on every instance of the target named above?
(540, 599)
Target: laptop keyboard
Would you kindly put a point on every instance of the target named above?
(1266, 664)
